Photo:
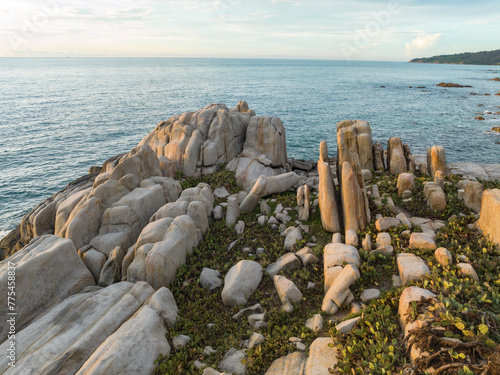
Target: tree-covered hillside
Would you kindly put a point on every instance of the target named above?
(471, 58)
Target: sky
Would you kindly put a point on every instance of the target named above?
(384, 30)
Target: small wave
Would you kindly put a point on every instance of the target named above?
(3, 233)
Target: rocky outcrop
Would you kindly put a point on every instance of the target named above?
(355, 136)
(114, 355)
(490, 215)
(174, 231)
(264, 152)
(48, 270)
(42, 219)
(476, 171)
(95, 332)
(199, 141)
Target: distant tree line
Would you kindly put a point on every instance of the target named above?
(471, 58)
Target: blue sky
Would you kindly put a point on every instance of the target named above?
(316, 29)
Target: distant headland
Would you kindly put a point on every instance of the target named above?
(468, 58)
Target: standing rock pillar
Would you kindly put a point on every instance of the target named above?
(436, 161)
(328, 203)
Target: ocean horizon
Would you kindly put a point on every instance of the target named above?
(59, 116)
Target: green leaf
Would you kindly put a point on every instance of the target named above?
(483, 328)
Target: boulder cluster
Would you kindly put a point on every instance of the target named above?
(96, 260)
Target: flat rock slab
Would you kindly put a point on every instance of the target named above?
(422, 241)
(47, 271)
(476, 171)
(411, 267)
(385, 223)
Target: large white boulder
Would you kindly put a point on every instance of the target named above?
(240, 282)
(163, 260)
(132, 349)
(46, 271)
(63, 338)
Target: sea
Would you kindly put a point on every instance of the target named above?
(59, 116)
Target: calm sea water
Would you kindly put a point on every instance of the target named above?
(60, 116)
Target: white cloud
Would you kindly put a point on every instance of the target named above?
(421, 43)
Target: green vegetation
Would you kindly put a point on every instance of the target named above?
(469, 58)
(199, 307)
(465, 310)
(417, 205)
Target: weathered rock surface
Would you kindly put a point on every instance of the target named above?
(210, 279)
(165, 257)
(473, 195)
(406, 181)
(315, 323)
(355, 136)
(490, 215)
(443, 256)
(163, 302)
(409, 295)
(291, 364)
(328, 201)
(240, 282)
(422, 241)
(436, 160)
(94, 260)
(411, 267)
(467, 270)
(303, 202)
(385, 223)
(476, 171)
(436, 198)
(346, 326)
(232, 362)
(265, 186)
(47, 270)
(286, 262)
(354, 200)
(396, 161)
(322, 356)
(287, 292)
(378, 157)
(339, 291)
(120, 352)
(64, 338)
